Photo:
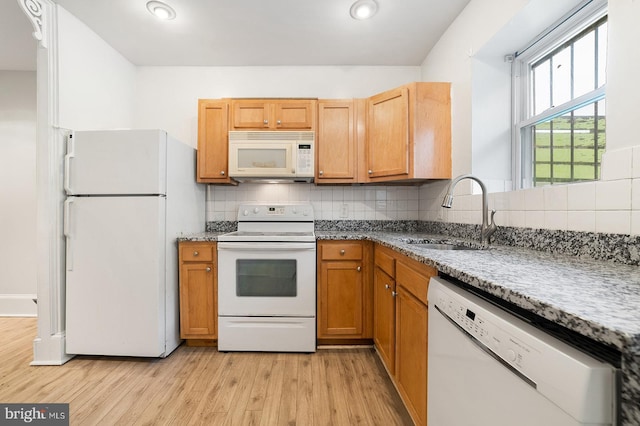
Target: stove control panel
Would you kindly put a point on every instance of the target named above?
(281, 212)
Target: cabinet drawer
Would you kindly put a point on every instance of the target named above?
(342, 251)
(385, 261)
(202, 252)
(416, 282)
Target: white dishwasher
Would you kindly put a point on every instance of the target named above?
(490, 368)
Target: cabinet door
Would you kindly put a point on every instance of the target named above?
(213, 147)
(411, 353)
(336, 142)
(384, 317)
(341, 293)
(388, 134)
(248, 114)
(294, 115)
(198, 313)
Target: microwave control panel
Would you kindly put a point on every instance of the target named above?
(305, 159)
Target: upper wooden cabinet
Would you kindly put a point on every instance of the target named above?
(409, 133)
(213, 145)
(273, 114)
(340, 141)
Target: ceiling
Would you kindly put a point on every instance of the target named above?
(247, 32)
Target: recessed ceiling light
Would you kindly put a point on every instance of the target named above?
(161, 10)
(363, 9)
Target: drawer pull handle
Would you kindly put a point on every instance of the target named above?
(358, 269)
(341, 252)
(387, 286)
(208, 269)
(195, 253)
(394, 293)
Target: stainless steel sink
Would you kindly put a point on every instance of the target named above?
(444, 246)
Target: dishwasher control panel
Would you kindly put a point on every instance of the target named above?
(479, 325)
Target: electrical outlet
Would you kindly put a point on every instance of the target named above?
(344, 210)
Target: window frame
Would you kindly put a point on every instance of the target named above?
(562, 31)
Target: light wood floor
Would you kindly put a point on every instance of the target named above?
(203, 386)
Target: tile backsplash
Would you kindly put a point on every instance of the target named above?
(611, 205)
(329, 202)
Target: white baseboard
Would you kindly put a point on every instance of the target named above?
(18, 305)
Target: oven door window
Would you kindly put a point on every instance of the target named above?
(266, 278)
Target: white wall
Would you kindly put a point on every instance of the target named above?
(611, 205)
(17, 193)
(167, 97)
(96, 83)
(623, 86)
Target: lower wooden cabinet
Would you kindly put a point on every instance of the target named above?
(344, 291)
(384, 306)
(411, 353)
(401, 325)
(198, 291)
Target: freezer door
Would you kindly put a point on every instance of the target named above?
(116, 162)
(115, 275)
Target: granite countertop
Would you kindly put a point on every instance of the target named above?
(597, 299)
(201, 236)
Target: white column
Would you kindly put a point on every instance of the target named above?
(49, 345)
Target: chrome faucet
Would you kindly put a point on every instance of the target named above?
(487, 228)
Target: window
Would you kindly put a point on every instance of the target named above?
(559, 101)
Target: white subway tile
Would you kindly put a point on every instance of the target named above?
(617, 164)
(613, 221)
(581, 196)
(613, 195)
(533, 199)
(517, 218)
(583, 221)
(555, 197)
(499, 201)
(635, 168)
(555, 220)
(635, 223)
(534, 219)
(635, 194)
(516, 200)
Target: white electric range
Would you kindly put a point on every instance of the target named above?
(267, 280)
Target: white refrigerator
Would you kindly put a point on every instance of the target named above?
(130, 194)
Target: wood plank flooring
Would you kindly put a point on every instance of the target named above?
(201, 386)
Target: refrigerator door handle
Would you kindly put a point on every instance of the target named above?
(67, 164)
(67, 233)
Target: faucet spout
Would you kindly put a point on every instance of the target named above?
(487, 228)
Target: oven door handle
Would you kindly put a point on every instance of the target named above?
(262, 246)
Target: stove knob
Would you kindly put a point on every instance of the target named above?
(256, 210)
(511, 355)
(245, 213)
(305, 212)
(294, 211)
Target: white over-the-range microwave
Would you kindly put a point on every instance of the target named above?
(271, 155)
